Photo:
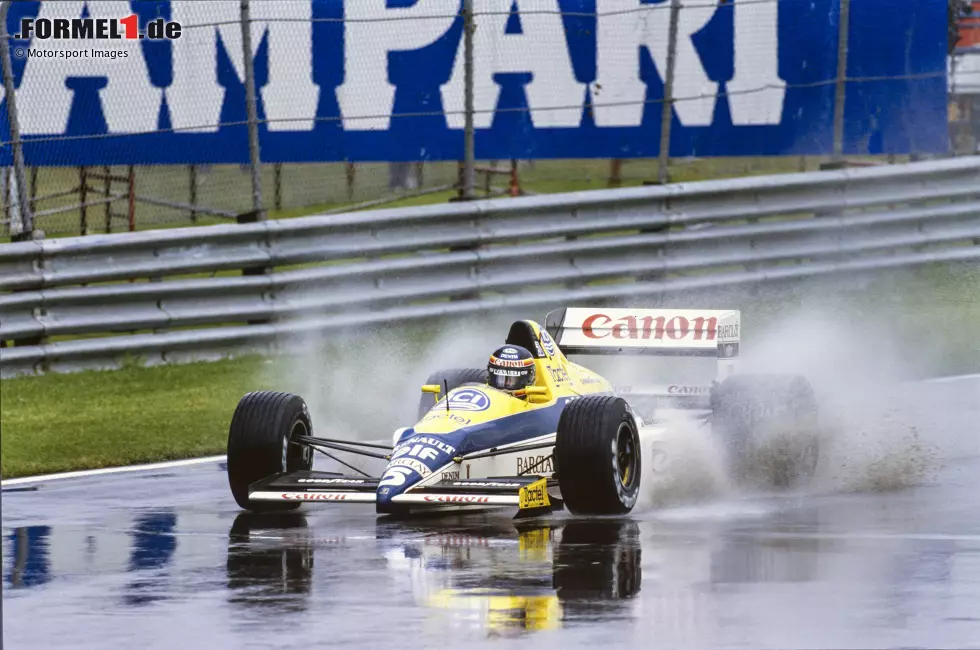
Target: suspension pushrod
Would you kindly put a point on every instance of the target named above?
(331, 456)
(355, 443)
(318, 442)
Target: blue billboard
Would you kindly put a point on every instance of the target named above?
(382, 80)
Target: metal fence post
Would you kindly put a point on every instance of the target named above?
(83, 201)
(193, 192)
(26, 214)
(840, 89)
(469, 139)
(667, 107)
(251, 105)
(277, 186)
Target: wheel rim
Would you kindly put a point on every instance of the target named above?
(626, 456)
(297, 455)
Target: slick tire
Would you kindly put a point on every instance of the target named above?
(455, 378)
(597, 456)
(259, 444)
(769, 427)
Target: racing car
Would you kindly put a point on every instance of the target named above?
(564, 438)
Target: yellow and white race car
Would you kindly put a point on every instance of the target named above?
(567, 440)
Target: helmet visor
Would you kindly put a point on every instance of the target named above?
(508, 379)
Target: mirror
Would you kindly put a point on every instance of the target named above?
(435, 389)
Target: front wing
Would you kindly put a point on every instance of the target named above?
(530, 494)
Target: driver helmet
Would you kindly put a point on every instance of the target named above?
(511, 368)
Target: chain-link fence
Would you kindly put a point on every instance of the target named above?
(275, 108)
(964, 76)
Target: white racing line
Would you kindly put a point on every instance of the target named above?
(214, 459)
(110, 470)
(940, 380)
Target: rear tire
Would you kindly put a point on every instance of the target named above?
(259, 444)
(597, 456)
(455, 378)
(769, 425)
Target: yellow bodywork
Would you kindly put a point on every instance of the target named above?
(534, 495)
(503, 611)
(555, 378)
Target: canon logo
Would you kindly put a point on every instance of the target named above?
(446, 498)
(598, 326)
(314, 496)
(688, 390)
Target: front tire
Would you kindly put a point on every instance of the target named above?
(597, 456)
(259, 440)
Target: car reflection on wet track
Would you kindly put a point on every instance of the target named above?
(688, 579)
(270, 561)
(539, 574)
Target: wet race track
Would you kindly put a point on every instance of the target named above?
(164, 559)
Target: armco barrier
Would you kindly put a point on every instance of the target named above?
(277, 278)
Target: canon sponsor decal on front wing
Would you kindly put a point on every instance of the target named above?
(459, 499)
(342, 497)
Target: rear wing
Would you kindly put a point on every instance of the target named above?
(710, 333)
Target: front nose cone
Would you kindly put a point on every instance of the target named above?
(400, 474)
(415, 458)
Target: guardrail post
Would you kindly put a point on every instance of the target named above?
(667, 106)
(26, 213)
(251, 106)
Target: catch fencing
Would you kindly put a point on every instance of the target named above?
(284, 106)
(179, 294)
(964, 76)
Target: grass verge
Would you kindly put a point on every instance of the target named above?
(55, 423)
